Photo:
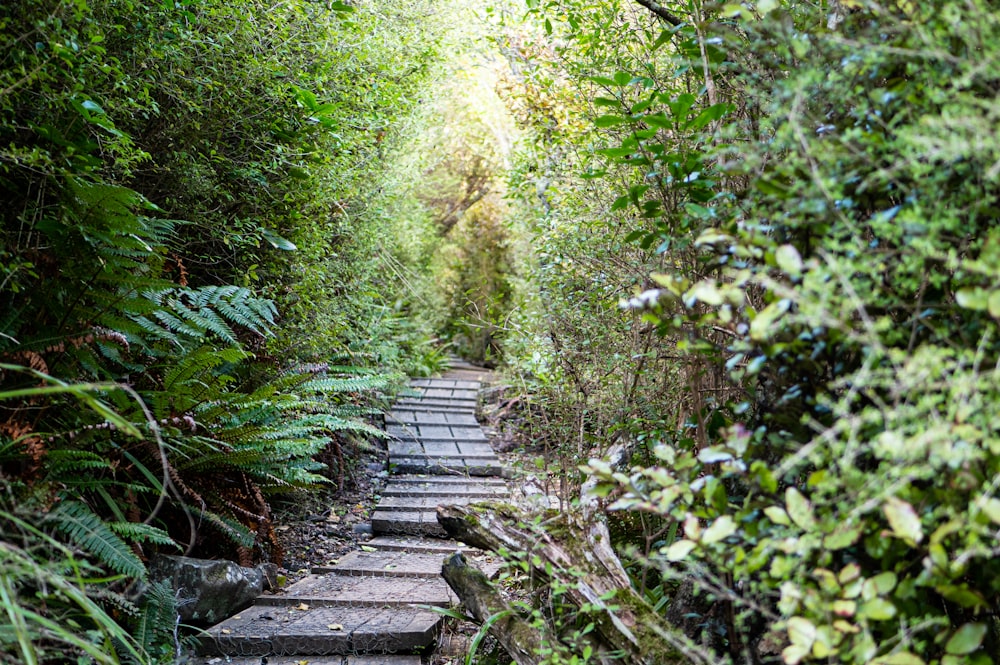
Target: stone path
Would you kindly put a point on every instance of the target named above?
(372, 606)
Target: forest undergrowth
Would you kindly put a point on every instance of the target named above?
(737, 260)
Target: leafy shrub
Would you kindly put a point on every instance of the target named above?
(848, 509)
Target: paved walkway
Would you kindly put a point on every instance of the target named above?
(366, 609)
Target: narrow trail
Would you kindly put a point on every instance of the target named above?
(366, 609)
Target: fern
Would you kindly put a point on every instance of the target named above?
(231, 528)
(197, 363)
(353, 384)
(158, 617)
(79, 523)
(142, 533)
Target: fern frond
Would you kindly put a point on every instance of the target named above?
(231, 528)
(356, 384)
(142, 533)
(197, 363)
(79, 523)
(334, 424)
(157, 617)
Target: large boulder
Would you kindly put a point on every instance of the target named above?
(209, 591)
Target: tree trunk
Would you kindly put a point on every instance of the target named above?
(582, 562)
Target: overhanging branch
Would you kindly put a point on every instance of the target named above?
(661, 12)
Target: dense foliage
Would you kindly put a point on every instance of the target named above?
(805, 372)
(187, 253)
(750, 248)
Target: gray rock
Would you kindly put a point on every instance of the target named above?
(209, 591)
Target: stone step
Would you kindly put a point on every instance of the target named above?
(430, 417)
(437, 432)
(438, 392)
(384, 564)
(404, 410)
(461, 384)
(458, 490)
(406, 523)
(434, 404)
(415, 544)
(409, 504)
(421, 480)
(445, 466)
(446, 449)
(321, 631)
(379, 659)
(332, 590)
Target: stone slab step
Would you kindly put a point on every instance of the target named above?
(430, 417)
(445, 466)
(446, 383)
(436, 404)
(422, 479)
(406, 523)
(415, 544)
(445, 449)
(402, 410)
(332, 590)
(379, 659)
(408, 504)
(437, 432)
(457, 490)
(321, 631)
(438, 392)
(384, 564)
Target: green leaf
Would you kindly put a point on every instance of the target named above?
(621, 203)
(966, 639)
(705, 292)
(777, 515)
(772, 188)
(991, 508)
(711, 114)
(608, 121)
(277, 241)
(679, 550)
(801, 631)
(607, 102)
(681, 106)
(842, 536)
(721, 528)
(974, 298)
(760, 327)
(788, 260)
(993, 304)
(799, 509)
(603, 80)
(903, 520)
(622, 79)
(901, 658)
(877, 609)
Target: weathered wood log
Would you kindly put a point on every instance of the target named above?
(482, 602)
(580, 558)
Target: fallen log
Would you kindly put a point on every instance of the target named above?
(580, 558)
(484, 604)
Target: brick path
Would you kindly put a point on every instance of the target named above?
(365, 609)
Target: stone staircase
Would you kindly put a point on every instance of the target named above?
(371, 607)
